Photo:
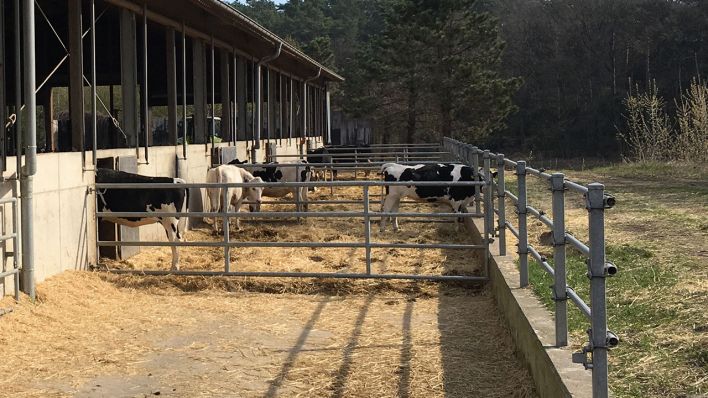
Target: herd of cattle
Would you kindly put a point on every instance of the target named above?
(175, 200)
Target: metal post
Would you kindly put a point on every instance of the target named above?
(94, 121)
(213, 98)
(596, 210)
(16, 249)
(488, 207)
(559, 286)
(501, 194)
(475, 172)
(257, 103)
(146, 105)
(367, 230)
(523, 246)
(184, 91)
(225, 227)
(30, 167)
(18, 86)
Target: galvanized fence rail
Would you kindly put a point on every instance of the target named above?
(594, 355)
(15, 269)
(366, 215)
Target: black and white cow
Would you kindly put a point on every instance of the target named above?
(272, 172)
(235, 196)
(458, 197)
(167, 200)
(340, 154)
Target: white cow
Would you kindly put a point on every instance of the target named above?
(235, 196)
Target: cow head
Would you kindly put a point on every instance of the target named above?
(254, 194)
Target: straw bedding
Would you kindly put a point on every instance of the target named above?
(92, 334)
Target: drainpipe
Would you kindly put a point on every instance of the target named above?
(258, 100)
(30, 167)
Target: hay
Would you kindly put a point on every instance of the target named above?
(90, 337)
(415, 261)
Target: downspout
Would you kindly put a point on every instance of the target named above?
(30, 167)
(259, 95)
(306, 107)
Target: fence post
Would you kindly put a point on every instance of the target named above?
(367, 230)
(559, 287)
(598, 333)
(523, 246)
(475, 173)
(501, 194)
(488, 205)
(225, 227)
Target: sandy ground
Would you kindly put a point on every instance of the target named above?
(97, 335)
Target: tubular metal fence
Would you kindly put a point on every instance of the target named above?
(594, 354)
(366, 215)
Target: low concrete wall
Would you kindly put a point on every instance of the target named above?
(65, 229)
(533, 329)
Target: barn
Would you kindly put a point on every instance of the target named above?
(107, 75)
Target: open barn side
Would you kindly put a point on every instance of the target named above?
(65, 226)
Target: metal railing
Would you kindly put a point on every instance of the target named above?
(594, 354)
(15, 270)
(366, 215)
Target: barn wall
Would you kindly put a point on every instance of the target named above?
(64, 226)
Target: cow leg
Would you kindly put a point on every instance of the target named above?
(170, 225)
(390, 205)
(303, 198)
(238, 210)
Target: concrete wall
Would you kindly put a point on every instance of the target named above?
(532, 327)
(65, 229)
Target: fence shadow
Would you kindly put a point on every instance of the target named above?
(478, 354)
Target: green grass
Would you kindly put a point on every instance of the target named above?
(657, 235)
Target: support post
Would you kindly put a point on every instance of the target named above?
(367, 230)
(241, 98)
(171, 55)
(501, 194)
(3, 95)
(328, 120)
(488, 207)
(225, 226)
(596, 213)
(304, 110)
(184, 91)
(212, 122)
(559, 287)
(18, 84)
(291, 118)
(475, 171)
(271, 105)
(76, 73)
(257, 104)
(30, 167)
(523, 245)
(225, 96)
(199, 115)
(94, 94)
(146, 100)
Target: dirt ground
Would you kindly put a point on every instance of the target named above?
(98, 335)
(93, 334)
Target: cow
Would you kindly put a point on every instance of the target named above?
(151, 200)
(236, 195)
(340, 154)
(458, 197)
(318, 156)
(273, 172)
